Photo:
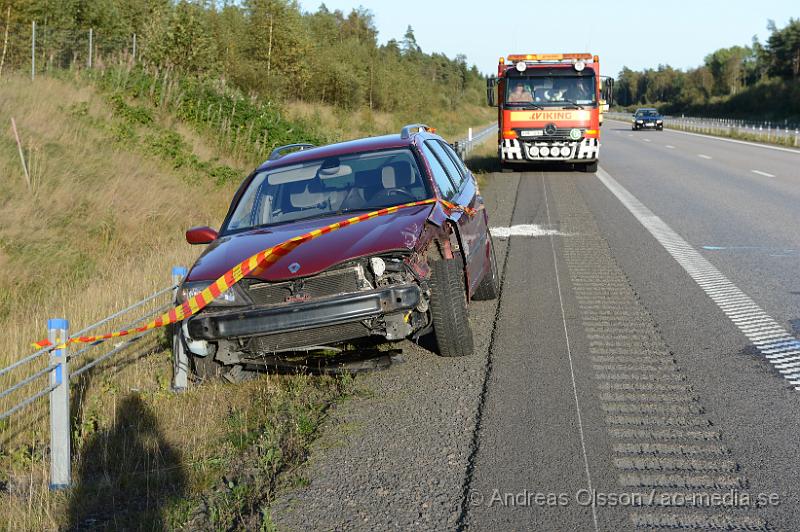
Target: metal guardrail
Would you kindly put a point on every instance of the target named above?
(464, 146)
(60, 375)
(786, 134)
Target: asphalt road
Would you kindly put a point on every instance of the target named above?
(609, 390)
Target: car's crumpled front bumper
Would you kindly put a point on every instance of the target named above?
(260, 321)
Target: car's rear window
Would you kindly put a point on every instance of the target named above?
(357, 182)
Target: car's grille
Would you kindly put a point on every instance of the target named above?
(306, 338)
(345, 280)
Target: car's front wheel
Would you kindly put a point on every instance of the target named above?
(449, 309)
(202, 368)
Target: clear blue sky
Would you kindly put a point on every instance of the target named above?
(636, 34)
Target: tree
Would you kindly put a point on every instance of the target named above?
(783, 50)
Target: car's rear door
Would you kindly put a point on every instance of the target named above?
(464, 192)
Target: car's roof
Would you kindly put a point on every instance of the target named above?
(385, 142)
(647, 109)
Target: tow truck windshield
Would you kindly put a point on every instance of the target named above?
(544, 91)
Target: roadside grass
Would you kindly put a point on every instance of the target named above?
(482, 160)
(117, 176)
(339, 124)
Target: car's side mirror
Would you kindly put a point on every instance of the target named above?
(201, 235)
(491, 83)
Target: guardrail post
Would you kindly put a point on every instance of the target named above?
(180, 377)
(60, 455)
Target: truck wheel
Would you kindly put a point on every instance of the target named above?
(506, 168)
(490, 284)
(590, 167)
(449, 309)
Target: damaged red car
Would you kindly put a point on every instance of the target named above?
(397, 276)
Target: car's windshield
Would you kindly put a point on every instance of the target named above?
(647, 112)
(545, 91)
(328, 186)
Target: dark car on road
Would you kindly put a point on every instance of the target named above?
(396, 276)
(647, 118)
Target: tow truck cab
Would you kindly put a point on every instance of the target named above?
(549, 108)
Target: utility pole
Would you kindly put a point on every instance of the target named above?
(33, 50)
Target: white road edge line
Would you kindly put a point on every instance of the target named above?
(700, 270)
(703, 156)
(569, 355)
(723, 139)
(759, 172)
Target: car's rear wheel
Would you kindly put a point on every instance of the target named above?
(449, 309)
(489, 288)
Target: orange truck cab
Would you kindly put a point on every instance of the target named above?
(549, 108)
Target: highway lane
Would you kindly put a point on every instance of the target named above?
(745, 223)
(604, 368)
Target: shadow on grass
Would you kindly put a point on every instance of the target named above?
(127, 474)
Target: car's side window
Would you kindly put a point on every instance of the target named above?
(446, 186)
(446, 161)
(462, 168)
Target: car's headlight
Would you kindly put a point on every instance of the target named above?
(659, 121)
(640, 121)
(229, 298)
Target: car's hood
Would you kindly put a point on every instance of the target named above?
(399, 230)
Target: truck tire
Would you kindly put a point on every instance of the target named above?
(449, 309)
(590, 167)
(489, 288)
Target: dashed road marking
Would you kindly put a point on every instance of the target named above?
(647, 140)
(703, 156)
(670, 147)
(759, 172)
(772, 340)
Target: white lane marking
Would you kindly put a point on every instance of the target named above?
(531, 230)
(778, 347)
(647, 140)
(759, 172)
(569, 357)
(723, 139)
(703, 156)
(670, 146)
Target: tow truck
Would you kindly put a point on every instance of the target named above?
(550, 109)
